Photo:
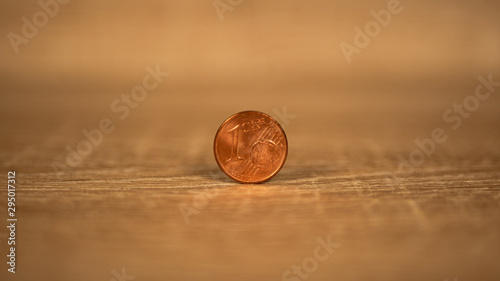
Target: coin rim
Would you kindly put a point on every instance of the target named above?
(250, 182)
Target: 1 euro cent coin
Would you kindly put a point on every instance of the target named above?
(250, 147)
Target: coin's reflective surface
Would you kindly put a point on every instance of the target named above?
(250, 147)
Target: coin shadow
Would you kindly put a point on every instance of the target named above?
(287, 175)
(215, 174)
(297, 174)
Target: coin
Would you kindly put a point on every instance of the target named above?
(250, 147)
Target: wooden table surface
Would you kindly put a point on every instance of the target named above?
(148, 202)
(121, 207)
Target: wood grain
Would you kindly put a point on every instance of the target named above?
(120, 208)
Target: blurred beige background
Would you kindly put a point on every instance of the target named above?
(119, 207)
(259, 47)
(260, 56)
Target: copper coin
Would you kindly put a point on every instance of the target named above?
(250, 147)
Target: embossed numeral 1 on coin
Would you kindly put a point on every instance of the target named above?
(234, 148)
